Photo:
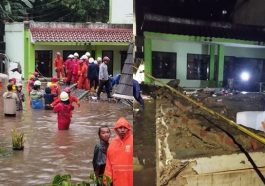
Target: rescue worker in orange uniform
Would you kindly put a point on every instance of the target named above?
(75, 67)
(55, 86)
(59, 65)
(119, 163)
(72, 98)
(64, 112)
(69, 68)
(30, 83)
(83, 82)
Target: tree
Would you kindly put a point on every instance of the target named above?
(55, 10)
(14, 10)
(70, 10)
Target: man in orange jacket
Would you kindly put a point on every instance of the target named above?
(59, 65)
(119, 163)
(82, 74)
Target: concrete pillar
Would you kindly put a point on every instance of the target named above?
(147, 59)
(212, 82)
(220, 65)
(98, 52)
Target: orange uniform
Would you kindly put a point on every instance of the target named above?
(72, 99)
(119, 163)
(82, 76)
(59, 66)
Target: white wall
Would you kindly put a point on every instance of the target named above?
(14, 38)
(116, 53)
(121, 11)
(181, 48)
(245, 52)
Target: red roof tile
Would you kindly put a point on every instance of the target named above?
(81, 34)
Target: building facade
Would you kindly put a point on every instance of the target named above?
(203, 55)
(34, 44)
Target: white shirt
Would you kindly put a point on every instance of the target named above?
(103, 72)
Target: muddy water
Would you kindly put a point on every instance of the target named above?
(49, 151)
(145, 145)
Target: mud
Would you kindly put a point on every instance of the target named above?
(184, 131)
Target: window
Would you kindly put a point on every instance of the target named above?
(235, 66)
(198, 66)
(164, 65)
(109, 53)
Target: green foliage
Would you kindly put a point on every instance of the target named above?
(55, 10)
(14, 10)
(70, 10)
(65, 180)
(17, 139)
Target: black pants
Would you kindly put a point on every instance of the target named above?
(101, 84)
(94, 82)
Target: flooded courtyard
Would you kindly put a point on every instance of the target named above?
(49, 151)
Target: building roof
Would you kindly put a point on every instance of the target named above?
(202, 28)
(80, 32)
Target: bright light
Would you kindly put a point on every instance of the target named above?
(244, 76)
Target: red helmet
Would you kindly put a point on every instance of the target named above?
(67, 89)
(36, 74)
(106, 58)
(54, 79)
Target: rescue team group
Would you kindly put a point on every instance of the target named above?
(113, 160)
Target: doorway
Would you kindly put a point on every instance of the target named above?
(43, 62)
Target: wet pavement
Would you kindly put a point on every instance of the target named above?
(48, 151)
(144, 144)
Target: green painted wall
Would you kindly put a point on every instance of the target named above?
(29, 55)
(147, 59)
(212, 82)
(98, 50)
(199, 39)
(182, 45)
(220, 65)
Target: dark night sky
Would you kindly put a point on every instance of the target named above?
(249, 12)
(215, 10)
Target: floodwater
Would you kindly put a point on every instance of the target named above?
(145, 144)
(49, 151)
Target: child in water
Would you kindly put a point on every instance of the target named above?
(21, 97)
(63, 110)
(48, 98)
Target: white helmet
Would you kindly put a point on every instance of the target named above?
(99, 59)
(71, 56)
(37, 82)
(76, 54)
(84, 57)
(87, 54)
(91, 60)
(64, 96)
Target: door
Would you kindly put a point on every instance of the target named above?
(43, 62)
